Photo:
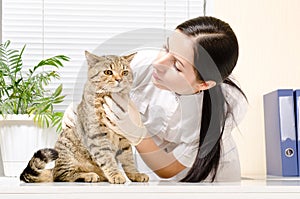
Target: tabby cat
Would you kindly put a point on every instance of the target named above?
(90, 152)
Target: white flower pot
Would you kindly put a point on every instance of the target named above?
(20, 138)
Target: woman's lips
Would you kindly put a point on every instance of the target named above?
(154, 74)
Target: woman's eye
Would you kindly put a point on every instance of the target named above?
(125, 73)
(108, 72)
(175, 66)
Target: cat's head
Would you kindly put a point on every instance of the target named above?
(109, 73)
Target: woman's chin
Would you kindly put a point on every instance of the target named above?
(158, 85)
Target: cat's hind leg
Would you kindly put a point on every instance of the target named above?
(74, 176)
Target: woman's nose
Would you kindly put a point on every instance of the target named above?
(162, 62)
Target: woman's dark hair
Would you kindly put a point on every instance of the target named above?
(215, 56)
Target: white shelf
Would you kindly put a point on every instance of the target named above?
(247, 188)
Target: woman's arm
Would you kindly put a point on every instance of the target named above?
(164, 164)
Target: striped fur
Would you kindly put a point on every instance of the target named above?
(90, 152)
(35, 170)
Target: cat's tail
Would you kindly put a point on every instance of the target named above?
(35, 170)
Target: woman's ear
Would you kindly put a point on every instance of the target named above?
(205, 85)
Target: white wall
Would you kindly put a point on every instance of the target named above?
(268, 32)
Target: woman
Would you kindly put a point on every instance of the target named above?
(187, 103)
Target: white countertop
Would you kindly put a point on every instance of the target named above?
(247, 188)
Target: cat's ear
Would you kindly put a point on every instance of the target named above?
(91, 58)
(130, 57)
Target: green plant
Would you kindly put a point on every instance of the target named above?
(25, 92)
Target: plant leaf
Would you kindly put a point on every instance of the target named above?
(25, 92)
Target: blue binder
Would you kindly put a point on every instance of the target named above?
(280, 133)
(297, 121)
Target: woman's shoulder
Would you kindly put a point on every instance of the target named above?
(233, 94)
(143, 58)
(237, 102)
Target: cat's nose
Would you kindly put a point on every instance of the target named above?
(119, 80)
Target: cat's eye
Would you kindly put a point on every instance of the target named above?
(108, 72)
(125, 73)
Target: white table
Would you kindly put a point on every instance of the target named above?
(281, 188)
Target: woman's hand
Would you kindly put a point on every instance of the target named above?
(69, 118)
(122, 112)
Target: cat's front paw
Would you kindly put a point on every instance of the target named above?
(91, 177)
(117, 179)
(138, 177)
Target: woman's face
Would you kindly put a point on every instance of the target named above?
(173, 67)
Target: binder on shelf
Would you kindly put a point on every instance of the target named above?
(297, 122)
(280, 133)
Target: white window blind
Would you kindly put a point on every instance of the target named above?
(52, 27)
